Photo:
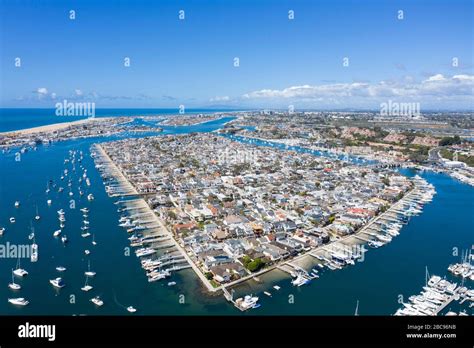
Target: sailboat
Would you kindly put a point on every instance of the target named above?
(89, 273)
(13, 285)
(86, 286)
(19, 271)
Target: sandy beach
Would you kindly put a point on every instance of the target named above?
(53, 127)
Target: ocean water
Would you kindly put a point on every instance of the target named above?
(397, 269)
(16, 118)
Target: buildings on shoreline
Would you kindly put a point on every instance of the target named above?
(237, 208)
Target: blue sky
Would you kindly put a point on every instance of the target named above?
(282, 62)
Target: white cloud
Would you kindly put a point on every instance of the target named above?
(437, 77)
(42, 91)
(220, 99)
(435, 86)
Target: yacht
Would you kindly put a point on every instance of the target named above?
(19, 301)
(97, 301)
(58, 283)
(247, 302)
(20, 272)
(434, 280)
(384, 238)
(154, 276)
(127, 223)
(276, 287)
(300, 280)
(131, 309)
(84, 210)
(13, 285)
(144, 252)
(85, 234)
(60, 269)
(34, 252)
(17, 204)
(61, 212)
(56, 233)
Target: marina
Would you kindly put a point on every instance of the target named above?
(437, 295)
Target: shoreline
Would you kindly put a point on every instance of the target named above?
(52, 127)
(158, 220)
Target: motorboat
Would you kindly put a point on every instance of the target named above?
(90, 197)
(57, 283)
(49, 202)
(64, 239)
(384, 238)
(87, 252)
(60, 269)
(2, 231)
(145, 252)
(434, 280)
(97, 301)
(375, 244)
(12, 220)
(300, 280)
(56, 233)
(131, 309)
(17, 204)
(19, 301)
(247, 302)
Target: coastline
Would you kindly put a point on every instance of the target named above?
(51, 127)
